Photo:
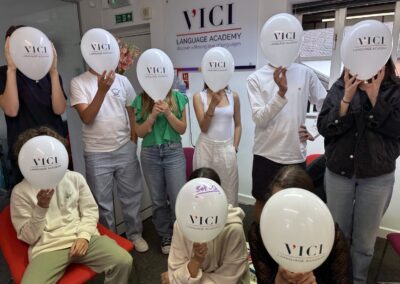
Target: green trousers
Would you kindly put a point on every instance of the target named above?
(103, 255)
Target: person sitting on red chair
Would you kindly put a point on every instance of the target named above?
(60, 227)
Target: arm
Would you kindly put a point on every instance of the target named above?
(179, 125)
(131, 116)
(237, 120)
(57, 94)
(88, 112)
(204, 118)
(179, 257)
(9, 99)
(146, 127)
(263, 113)
(29, 219)
(88, 210)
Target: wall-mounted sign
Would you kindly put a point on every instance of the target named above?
(122, 18)
(193, 27)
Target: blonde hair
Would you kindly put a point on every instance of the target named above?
(148, 103)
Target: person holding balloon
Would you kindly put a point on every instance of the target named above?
(360, 120)
(337, 266)
(160, 119)
(210, 251)
(102, 100)
(54, 212)
(279, 93)
(31, 92)
(218, 114)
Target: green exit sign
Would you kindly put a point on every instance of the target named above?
(123, 18)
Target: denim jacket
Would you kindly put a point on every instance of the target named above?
(365, 142)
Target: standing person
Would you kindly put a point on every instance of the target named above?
(60, 227)
(218, 115)
(103, 103)
(278, 99)
(336, 269)
(27, 103)
(361, 125)
(222, 260)
(161, 125)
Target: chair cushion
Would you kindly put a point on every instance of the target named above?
(394, 239)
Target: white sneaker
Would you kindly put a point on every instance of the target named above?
(166, 245)
(141, 245)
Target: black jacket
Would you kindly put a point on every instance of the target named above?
(366, 141)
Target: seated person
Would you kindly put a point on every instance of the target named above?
(60, 227)
(335, 269)
(221, 261)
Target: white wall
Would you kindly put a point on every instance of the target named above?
(98, 17)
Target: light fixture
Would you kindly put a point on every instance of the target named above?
(360, 16)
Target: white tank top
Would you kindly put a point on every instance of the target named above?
(221, 126)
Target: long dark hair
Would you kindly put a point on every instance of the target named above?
(291, 176)
(12, 29)
(206, 173)
(390, 78)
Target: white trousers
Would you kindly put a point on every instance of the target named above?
(221, 157)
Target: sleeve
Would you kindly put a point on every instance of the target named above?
(384, 117)
(317, 92)
(28, 218)
(266, 268)
(330, 123)
(130, 92)
(263, 113)
(340, 269)
(234, 264)
(3, 79)
(88, 210)
(181, 101)
(78, 96)
(178, 259)
(137, 105)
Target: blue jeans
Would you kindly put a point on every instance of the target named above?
(358, 206)
(164, 170)
(121, 166)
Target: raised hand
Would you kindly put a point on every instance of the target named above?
(280, 80)
(44, 197)
(10, 61)
(104, 81)
(200, 252)
(350, 86)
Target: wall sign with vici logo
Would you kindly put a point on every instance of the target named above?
(193, 27)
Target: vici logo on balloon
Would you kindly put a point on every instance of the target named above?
(98, 48)
(302, 253)
(217, 66)
(45, 163)
(203, 223)
(370, 43)
(36, 51)
(155, 72)
(282, 38)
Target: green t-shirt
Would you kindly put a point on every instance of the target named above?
(162, 132)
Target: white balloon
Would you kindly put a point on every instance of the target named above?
(217, 67)
(201, 210)
(100, 50)
(32, 52)
(155, 73)
(366, 47)
(297, 229)
(43, 161)
(281, 38)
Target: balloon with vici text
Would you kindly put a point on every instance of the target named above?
(32, 52)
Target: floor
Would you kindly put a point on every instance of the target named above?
(151, 264)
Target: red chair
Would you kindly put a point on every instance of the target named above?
(394, 240)
(16, 252)
(311, 158)
(189, 152)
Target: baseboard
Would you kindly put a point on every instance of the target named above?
(246, 199)
(383, 231)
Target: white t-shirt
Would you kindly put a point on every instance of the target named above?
(278, 119)
(110, 129)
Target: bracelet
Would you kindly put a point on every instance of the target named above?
(346, 102)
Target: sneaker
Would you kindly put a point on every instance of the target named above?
(141, 245)
(166, 245)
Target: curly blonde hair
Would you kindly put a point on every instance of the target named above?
(33, 132)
